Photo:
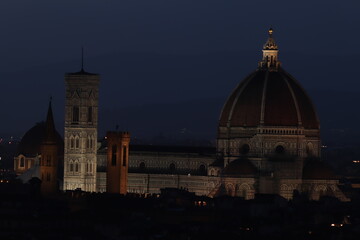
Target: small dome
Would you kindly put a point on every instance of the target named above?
(240, 167)
(316, 169)
(31, 141)
(269, 99)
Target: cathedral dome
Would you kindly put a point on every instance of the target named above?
(269, 97)
(31, 141)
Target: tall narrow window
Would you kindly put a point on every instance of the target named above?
(22, 162)
(76, 167)
(71, 167)
(77, 143)
(75, 114)
(124, 156)
(72, 143)
(113, 153)
(172, 167)
(91, 142)
(48, 160)
(90, 114)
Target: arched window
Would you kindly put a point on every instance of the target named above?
(22, 162)
(77, 143)
(72, 143)
(76, 167)
(113, 155)
(244, 193)
(172, 167)
(280, 149)
(245, 148)
(124, 156)
(202, 169)
(142, 166)
(71, 167)
(75, 114)
(90, 115)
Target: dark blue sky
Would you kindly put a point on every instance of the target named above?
(163, 51)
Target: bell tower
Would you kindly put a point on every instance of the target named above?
(117, 162)
(81, 122)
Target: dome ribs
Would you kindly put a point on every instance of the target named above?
(247, 107)
(280, 109)
(269, 98)
(306, 107)
(228, 107)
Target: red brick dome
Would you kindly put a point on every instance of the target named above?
(269, 98)
(240, 167)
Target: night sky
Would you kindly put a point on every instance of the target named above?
(168, 55)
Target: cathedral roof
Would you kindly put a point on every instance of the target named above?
(240, 167)
(269, 97)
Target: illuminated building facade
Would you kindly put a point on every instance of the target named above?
(268, 142)
(80, 137)
(117, 162)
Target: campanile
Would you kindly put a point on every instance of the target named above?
(80, 137)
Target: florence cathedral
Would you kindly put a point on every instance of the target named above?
(268, 142)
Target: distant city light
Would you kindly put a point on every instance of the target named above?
(356, 161)
(337, 225)
(324, 146)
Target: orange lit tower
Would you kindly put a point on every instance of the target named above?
(49, 156)
(117, 162)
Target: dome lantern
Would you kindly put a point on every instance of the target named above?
(270, 54)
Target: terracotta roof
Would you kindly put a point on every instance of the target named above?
(240, 167)
(31, 141)
(276, 96)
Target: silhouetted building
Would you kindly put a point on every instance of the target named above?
(49, 157)
(41, 154)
